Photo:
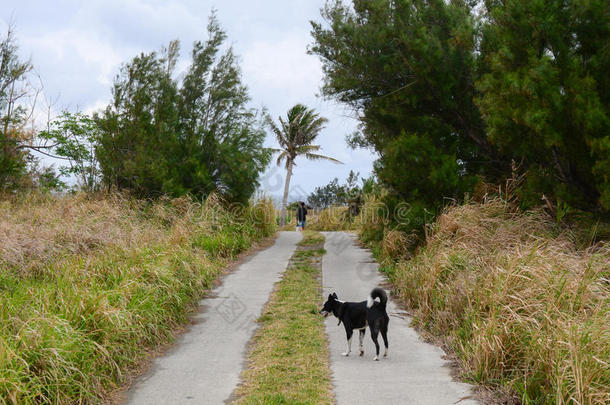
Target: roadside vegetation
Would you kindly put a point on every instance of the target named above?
(289, 359)
(491, 209)
(523, 308)
(488, 207)
(88, 285)
(102, 258)
(521, 300)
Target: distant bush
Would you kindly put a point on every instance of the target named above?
(331, 219)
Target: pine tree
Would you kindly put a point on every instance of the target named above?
(544, 94)
(408, 68)
(160, 136)
(13, 114)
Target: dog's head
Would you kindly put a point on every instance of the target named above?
(330, 305)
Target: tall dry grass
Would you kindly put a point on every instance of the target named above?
(331, 219)
(36, 228)
(373, 219)
(523, 308)
(397, 244)
(87, 285)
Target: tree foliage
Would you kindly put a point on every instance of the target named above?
(407, 66)
(544, 93)
(451, 93)
(14, 87)
(70, 137)
(73, 137)
(163, 136)
(296, 135)
(334, 193)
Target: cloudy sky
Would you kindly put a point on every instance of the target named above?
(77, 48)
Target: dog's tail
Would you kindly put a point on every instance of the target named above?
(379, 296)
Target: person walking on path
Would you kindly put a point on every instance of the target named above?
(301, 216)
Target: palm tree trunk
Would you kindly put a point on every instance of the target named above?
(285, 198)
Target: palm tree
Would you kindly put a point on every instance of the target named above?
(295, 136)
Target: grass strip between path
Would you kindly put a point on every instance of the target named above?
(289, 358)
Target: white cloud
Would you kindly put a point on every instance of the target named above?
(282, 64)
(75, 50)
(151, 24)
(96, 106)
(78, 46)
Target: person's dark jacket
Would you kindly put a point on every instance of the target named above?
(301, 213)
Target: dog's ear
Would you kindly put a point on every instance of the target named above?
(335, 295)
(330, 297)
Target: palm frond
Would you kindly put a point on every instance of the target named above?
(307, 149)
(315, 156)
(283, 155)
(295, 134)
(277, 131)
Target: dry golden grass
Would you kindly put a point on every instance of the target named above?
(331, 219)
(521, 306)
(373, 219)
(87, 285)
(35, 228)
(397, 244)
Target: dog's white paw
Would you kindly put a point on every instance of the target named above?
(346, 354)
(376, 358)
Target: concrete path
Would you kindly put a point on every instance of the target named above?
(205, 364)
(413, 373)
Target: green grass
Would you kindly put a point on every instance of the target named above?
(76, 323)
(289, 358)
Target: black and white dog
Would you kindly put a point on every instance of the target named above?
(356, 315)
